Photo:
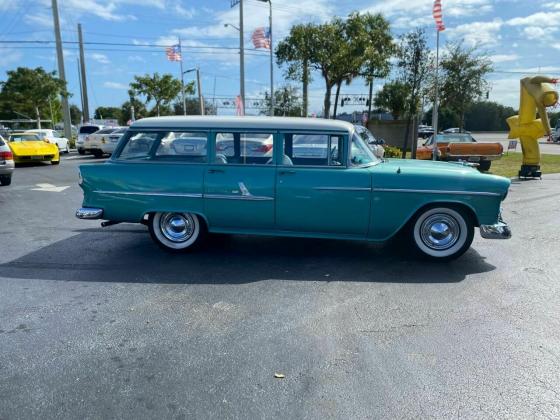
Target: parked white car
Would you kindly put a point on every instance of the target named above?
(83, 132)
(53, 136)
(103, 142)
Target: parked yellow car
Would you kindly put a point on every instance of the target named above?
(28, 147)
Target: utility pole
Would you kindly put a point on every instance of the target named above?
(61, 73)
(199, 88)
(83, 86)
(241, 56)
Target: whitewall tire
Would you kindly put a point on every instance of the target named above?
(175, 231)
(442, 233)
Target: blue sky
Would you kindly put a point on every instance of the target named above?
(523, 37)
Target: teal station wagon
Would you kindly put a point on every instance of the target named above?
(300, 177)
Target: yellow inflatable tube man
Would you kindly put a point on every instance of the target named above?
(537, 93)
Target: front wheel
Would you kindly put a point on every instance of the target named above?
(484, 165)
(175, 232)
(442, 233)
(5, 180)
(55, 162)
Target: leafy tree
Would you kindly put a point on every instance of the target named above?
(414, 62)
(193, 107)
(393, 97)
(107, 112)
(287, 102)
(372, 35)
(140, 110)
(464, 82)
(161, 89)
(30, 91)
(75, 114)
(295, 51)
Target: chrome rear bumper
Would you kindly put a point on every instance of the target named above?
(89, 213)
(500, 230)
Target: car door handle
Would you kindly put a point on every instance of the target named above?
(215, 171)
(287, 172)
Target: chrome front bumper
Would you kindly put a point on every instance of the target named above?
(500, 230)
(89, 213)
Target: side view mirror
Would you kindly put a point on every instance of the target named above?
(379, 152)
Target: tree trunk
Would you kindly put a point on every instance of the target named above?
(462, 122)
(305, 81)
(336, 99)
(327, 102)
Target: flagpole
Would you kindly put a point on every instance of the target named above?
(435, 107)
(271, 61)
(182, 79)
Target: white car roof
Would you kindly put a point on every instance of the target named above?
(271, 123)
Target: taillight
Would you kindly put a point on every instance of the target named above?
(6, 156)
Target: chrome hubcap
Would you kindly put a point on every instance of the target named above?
(177, 227)
(440, 231)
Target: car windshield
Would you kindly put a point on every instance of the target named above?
(88, 129)
(105, 131)
(365, 134)
(24, 137)
(360, 153)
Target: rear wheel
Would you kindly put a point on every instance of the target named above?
(81, 151)
(5, 180)
(442, 233)
(176, 232)
(98, 154)
(484, 165)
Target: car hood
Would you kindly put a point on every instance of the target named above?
(32, 148)
(429, 175)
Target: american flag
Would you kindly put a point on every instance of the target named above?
(173, 53)
(261, 37)
(438, 16)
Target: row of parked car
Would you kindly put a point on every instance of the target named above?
(40, 145)
(98, 140)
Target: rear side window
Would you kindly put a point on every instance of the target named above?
(183, 146)
(88, 129)
(139, 145)
(244, 148)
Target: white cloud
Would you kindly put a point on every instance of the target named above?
(137, 58)
(115, 85)
(100, 58)
(478, 33)
(414, 8)
(502, 58)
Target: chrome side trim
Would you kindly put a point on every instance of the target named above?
(89, 213)
(190, 195)
(157, 194)
(406, 190)
(342, 188)
(239, 197)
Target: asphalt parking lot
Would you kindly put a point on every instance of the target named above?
(99, 323)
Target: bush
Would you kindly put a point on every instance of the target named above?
(392, 152)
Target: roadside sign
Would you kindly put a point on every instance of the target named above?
(512, 145)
